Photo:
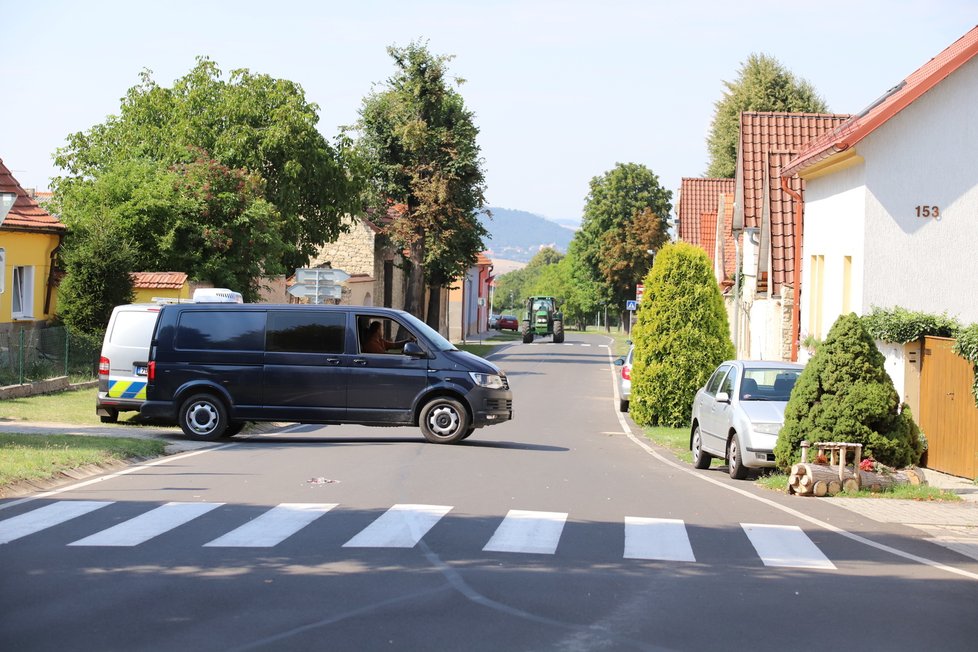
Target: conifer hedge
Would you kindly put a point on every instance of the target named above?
(680, 336)
(844, 394)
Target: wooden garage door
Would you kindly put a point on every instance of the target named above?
(948, 415)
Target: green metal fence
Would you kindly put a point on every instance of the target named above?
(31, 355)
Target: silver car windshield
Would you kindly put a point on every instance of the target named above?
(767, 384)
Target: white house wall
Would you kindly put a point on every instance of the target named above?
(925, 156)
(835, 205)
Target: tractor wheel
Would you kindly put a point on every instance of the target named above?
(527, 333)
(558, 332)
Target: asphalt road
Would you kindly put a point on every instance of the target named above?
(555, 531)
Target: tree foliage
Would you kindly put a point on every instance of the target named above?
(844, 394)
(901, 325)
(419, 140)
(98, 259)
(763, 84)
(680, 336)
(260, 127)
(625, 215)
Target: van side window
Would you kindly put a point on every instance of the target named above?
(215, 330)
(306, 331)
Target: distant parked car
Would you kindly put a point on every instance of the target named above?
(493, 321)
(508, 323)
(738, 414)
(625, 379)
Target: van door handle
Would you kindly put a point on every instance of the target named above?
(360, 362)
(333, 361)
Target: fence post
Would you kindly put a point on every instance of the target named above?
(66, 351)
(20, 376)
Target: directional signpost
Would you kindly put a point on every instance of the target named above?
(317, 284)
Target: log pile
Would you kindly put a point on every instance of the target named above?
(830, 475)
(823, 479)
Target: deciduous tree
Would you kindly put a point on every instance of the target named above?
(420, 141)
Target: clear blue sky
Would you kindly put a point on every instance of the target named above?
(561, 89)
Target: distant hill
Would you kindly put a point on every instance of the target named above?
(519, 235)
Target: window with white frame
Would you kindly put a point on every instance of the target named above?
(22, 292)
(3, 269)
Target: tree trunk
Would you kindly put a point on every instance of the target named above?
(414, 293)
(822, 480)
(434, 308)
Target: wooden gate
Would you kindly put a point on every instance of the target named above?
(948, 415)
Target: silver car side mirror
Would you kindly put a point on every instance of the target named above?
(723, 397)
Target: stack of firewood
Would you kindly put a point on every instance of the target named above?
(830, 475)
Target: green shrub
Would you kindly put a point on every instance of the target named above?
(901, 325)
(680, 336)
(844, 394)
(966, 346)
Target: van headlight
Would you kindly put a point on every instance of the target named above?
(491, 381)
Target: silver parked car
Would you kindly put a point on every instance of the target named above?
(739, 413)
(625, 379)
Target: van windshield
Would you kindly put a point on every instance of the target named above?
(429, 333)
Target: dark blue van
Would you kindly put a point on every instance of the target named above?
(212, 368)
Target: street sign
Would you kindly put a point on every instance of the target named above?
(312, 292)
(639, 291)
(312, 275)
(631, 305)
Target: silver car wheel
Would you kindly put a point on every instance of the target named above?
(701, 459)
(735, 464)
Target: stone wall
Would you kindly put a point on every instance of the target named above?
(353, 252)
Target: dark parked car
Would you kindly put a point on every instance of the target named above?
(508, 323)
(738, 414)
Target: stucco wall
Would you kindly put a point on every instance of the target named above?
(925, 156)
(27, 250)
(834, 228)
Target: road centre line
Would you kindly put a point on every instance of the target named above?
(770, 503)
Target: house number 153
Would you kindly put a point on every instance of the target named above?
(929, 211)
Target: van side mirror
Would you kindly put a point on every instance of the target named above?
(414, 350)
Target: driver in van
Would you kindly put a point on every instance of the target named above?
(376, 343)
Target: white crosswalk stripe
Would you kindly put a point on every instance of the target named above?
(401, 526)
(657, 538)
(273, 526)
(404, 525)
(525, 531)
(146, 526)
(45, 517)
(786, 546)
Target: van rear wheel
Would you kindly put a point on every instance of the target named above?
(203, 417)
(444, 421)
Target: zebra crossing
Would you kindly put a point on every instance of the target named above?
(404, 526)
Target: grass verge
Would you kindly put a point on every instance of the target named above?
(71, 406)
(25, 458)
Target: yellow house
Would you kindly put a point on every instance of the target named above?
(29, 242)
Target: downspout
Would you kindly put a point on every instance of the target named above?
(50, 284)
(796, 304)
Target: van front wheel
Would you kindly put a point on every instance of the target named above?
(203, 417)
(444, 421)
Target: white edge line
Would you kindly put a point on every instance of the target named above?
(770, 503)
(125, 471)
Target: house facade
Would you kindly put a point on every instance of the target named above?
(469, 302)
(891, 200)
(29, 241)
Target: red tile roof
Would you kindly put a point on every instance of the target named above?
(768, 140)
(729, 266)
(25, 215)
(158, 280)
(894, 101)
(698, 196)
(708, 233)
(482, 259)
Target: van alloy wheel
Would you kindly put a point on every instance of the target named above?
(204, 417)
(444, 421)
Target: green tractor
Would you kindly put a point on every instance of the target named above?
(542, 318)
